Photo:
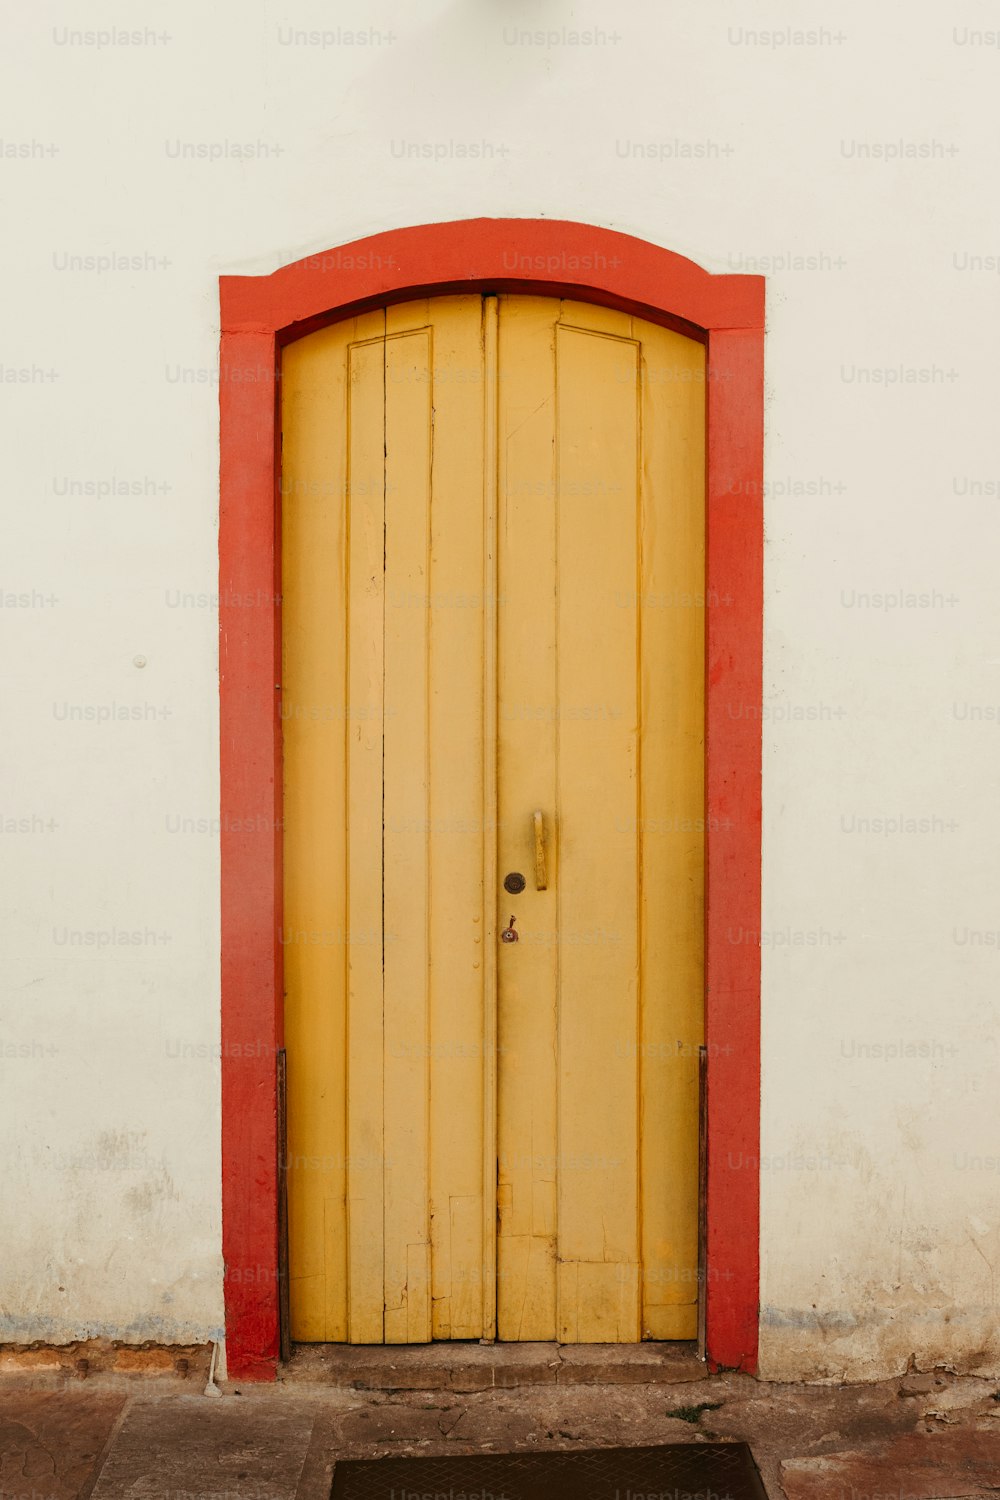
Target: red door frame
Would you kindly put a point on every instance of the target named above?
(259, 315)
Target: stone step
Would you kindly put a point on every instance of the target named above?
(477, 1367)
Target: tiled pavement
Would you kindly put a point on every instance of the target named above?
(111, 1436)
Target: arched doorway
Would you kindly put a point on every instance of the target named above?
(721, 318)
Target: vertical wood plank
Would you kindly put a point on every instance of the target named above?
(672, 615)
(314, 937)
(526, 1028)
(597, 436)
(406, 827)
(488, 1230)
(450, 602)
(364, 720)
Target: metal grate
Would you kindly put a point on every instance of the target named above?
(680, 1471)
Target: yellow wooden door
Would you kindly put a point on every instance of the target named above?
(492, 541)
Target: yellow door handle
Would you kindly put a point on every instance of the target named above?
(541, 878)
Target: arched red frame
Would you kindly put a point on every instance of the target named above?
(261, 313)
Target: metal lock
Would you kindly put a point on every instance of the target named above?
(514, 883)
(509, 935)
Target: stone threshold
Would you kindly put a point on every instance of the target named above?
(479, 1367)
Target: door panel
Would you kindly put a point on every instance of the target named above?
(382, 705)
(601, 561)
(437, 692)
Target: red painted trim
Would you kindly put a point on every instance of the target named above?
(733, 742)
(598, 265)
(249, 639)
(259, 313)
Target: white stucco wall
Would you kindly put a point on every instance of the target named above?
(853, 161)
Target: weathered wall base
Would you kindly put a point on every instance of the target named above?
(84, 1357)
(835, 1347)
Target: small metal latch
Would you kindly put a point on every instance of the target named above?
(509, 935)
